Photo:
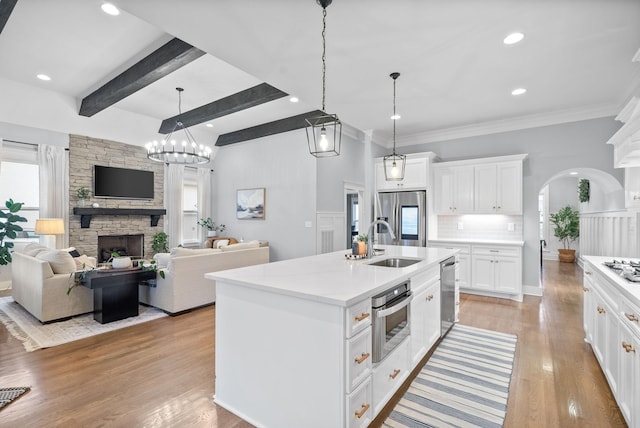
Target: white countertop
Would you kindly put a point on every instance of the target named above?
(331, 278)
(631, 290)
(479, 241)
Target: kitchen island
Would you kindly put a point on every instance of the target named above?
(293, 338)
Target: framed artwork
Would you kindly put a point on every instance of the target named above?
(250, 204)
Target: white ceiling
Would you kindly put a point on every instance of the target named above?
(456, 74)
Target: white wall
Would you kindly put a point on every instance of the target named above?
(281, 164)
(562, 192)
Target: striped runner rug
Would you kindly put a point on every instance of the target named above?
(465, 383)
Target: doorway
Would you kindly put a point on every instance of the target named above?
(354, 197)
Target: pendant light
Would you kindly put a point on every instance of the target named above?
(324, 132)
(394, 163)
(184, 152)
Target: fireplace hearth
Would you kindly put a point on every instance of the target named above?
(125, 245)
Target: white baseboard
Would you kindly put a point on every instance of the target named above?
(531, 290)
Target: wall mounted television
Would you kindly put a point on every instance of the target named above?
(123, 183)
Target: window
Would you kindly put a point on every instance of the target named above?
(25, 190)
(190, 207)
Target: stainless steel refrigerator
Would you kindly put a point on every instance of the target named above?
(406, 213)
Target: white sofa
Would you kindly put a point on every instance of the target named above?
(185, 287)
(37, 287)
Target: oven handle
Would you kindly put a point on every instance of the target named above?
(395, 308)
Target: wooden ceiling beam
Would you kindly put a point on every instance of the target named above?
(161, 62)
(242, 100)
(271, 128)
(6, 7)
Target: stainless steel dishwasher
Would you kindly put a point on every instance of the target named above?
(447, 294)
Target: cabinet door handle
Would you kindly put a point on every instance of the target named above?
(363, 409)
(395, 374)
(627, 346)
(362, 316)
(601, 310)
(587, 272)
(631, 317)
(585, 289)
(362, 358)
(429, 297)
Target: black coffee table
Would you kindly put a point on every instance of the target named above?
(115, 292)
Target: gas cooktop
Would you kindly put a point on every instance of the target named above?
(627, 269)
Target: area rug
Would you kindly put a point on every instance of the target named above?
(8, 395)
(35, 335)
(465, 383)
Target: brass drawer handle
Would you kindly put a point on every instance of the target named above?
(587, 272)
(363, 409)
(627, 346)
(362, 316)
(631, 317)
(601, 310)
(362, 358)
(395, 374)
(585, 289)
(429, 297)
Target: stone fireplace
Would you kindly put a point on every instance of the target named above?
(125, 245)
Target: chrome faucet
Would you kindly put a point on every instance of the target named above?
(370, 235)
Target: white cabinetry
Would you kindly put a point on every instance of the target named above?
(415, 174)
(453, 189)
(425, 314)
(463, 268)
(358, 365)
(497, 269)
(632, 187)
(611, 327)
(498, 188)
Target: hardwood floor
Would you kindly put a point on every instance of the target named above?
(161, 373)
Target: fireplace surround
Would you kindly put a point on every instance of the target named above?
(125, 245)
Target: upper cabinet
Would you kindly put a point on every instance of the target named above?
(626, 141)
(479, 186)
(416, 173)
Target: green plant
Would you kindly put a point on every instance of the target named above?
(160, 243)
(153, 265)
(83, 193)
(78, 277)
(363, 238)
(209, 224)
(8, 229)
(566, 225)
(583, 190)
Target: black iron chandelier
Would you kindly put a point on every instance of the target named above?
(176, 150)
(394, 163)
(324, 132)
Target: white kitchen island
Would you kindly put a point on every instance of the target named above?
(293, 338)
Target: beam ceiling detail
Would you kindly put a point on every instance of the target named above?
(166, 59)
(6, 7)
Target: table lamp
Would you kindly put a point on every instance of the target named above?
(50, 226)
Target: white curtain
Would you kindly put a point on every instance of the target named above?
(204, 198)
(174, 176)
(53, 162)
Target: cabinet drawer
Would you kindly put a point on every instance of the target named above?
(496, 251)
(358, 318)
(630, 316)
(359, 408)
(389, 375)
(358, 362)
(464, 249)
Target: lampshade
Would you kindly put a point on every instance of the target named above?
(49, 226)
(176, 149)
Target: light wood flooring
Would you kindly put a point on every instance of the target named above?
(161, 373)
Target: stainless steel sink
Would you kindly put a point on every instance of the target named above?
(395, 262)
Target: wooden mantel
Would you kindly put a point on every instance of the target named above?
(86, 214)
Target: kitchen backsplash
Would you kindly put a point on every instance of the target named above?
(489, 227)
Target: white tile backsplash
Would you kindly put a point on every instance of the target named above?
(490, 227)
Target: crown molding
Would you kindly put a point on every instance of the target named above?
(514, 124)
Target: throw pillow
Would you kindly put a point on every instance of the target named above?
(241, 246)
(162, 259)
(222, 243)
(84, 262)
(33, 249)
(59, 260)
(75, 253)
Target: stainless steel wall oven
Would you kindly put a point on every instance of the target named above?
(390, 323)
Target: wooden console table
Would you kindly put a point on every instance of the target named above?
(115, 292)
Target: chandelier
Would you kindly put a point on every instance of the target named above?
(176, 150)
(324, 132)
(394, 163)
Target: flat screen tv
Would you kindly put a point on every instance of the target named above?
(123, 183)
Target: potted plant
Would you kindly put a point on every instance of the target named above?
(160, 243)
(8, 229)
(120, 262)
(83, 194)
(566, 224)
(211, 226)
(153, 265)
(583, 190)
(362, 241)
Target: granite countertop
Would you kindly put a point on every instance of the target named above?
(331, 278)
(518, 243)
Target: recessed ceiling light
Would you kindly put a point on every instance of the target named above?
(513, 38)
(209, 125)
(294, 99)
(395, 117)
(518, 91)
(43, 77)
(573, 173)
(110, 9)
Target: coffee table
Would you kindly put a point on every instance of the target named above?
(115, 292)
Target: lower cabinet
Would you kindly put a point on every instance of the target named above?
(629, 384)
(496, 269)
(359, 410)
(389, 375)
(425, 320)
